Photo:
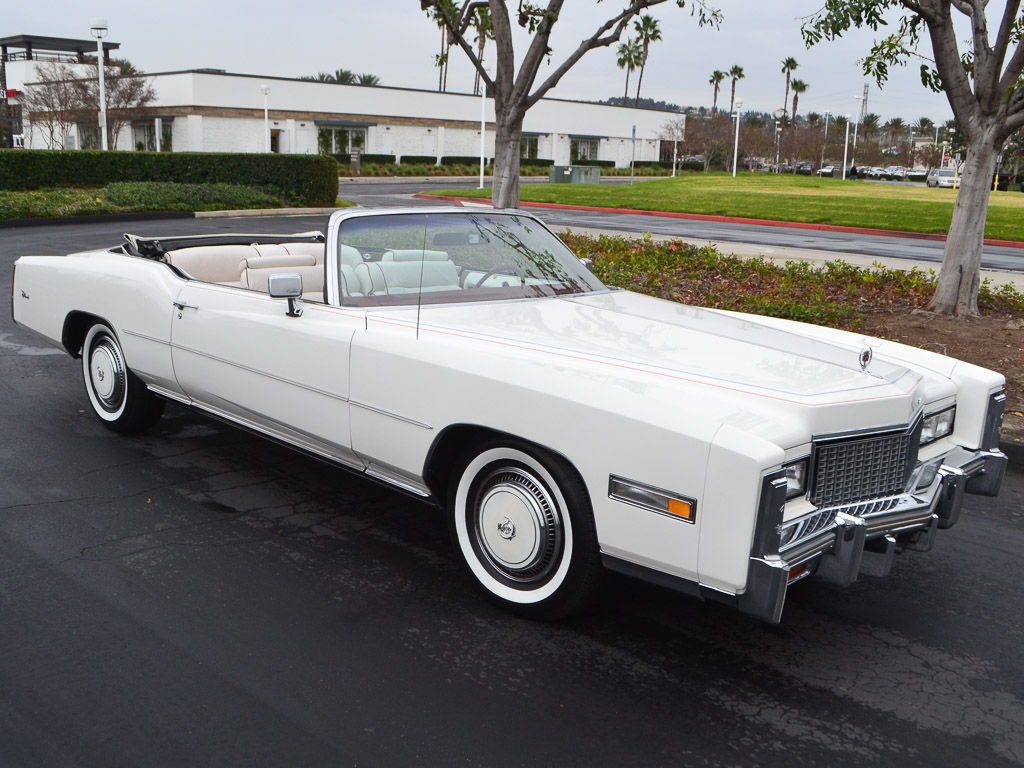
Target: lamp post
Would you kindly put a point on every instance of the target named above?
(856, 125)
(824, 143)
(846, 145)
(483, 122)
(266, 116)
(98, 29)
(736, 143)
(778, 133)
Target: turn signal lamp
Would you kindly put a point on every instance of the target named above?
(652, 499)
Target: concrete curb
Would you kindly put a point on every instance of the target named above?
(730, 220)
(54, 220)
(255, 212)
(50, 221)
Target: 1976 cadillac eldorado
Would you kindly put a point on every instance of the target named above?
(469, 358)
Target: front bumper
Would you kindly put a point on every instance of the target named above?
(863, 538)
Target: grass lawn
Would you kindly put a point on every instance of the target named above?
(786, 198)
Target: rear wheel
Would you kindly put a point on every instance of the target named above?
(118, 397)
(523, 525)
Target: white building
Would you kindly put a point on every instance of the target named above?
(214, 111)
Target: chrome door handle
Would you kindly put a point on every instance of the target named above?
(183, 305)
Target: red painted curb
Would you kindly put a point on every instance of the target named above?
(731, 220)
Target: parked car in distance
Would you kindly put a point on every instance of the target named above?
(916, 174)
(827, 170)
(941, 177)
(467, 358)
(876, 173)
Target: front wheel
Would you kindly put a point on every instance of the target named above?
(118, 397)
(523, 525)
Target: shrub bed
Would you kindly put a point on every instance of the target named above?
(835, 294)
(301, 179)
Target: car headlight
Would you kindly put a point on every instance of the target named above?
(796, 478)
(937, 425)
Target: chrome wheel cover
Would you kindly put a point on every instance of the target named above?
(107, 376)
(516, 525)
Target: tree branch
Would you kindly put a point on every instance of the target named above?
(594, 41)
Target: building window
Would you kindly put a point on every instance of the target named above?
(88, 136)
(581, 150)
(340, 141)
(528, 148)
(144, 137)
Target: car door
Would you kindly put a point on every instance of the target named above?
(236, 353)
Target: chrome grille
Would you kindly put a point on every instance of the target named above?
(849, 471)
(795, 532)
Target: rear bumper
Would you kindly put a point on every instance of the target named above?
(863, 538)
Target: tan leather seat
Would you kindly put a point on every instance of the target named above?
(210, 263)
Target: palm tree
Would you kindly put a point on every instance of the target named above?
(445, 9)
(344, 76)
(894, 127)
(366, 78)
(484, 30)
(736, 73)
(869, 125)
(716, 80)
(924, 126)
(799, 86)
(647, 28)
(788, 65)
(813, 119)
(630, 54)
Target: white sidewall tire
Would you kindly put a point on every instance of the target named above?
(464, 536)
(95, 335)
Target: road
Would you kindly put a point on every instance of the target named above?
(197, 596)
(994, 257)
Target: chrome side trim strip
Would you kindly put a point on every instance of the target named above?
(166, 393)
(391, 479)
(138, 335)
(389, 414)
(290, 382)
(259, 428)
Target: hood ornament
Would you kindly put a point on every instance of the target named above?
(865, 358)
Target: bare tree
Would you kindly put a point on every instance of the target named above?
(984, 88)
(53, 104)
(711, 138)
(127, 96)
(514, 92)
(62, 98)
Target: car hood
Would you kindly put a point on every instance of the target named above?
(637, 333)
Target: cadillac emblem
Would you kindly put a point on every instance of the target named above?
(865, 358)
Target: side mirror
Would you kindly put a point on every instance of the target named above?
(287, 285)
(588, 263)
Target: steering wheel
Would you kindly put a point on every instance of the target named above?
(502, 268)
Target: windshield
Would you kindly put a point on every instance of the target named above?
(395, 259)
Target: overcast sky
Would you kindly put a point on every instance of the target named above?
(394, 40)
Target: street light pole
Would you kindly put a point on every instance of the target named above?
(98, 29)
(736, 143)
(824, 143)
(856, 125)
(778, 132)
(846, 145)
(266, 116)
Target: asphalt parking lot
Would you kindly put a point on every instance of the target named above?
(198, 596)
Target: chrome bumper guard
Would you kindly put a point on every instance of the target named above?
(863, 537)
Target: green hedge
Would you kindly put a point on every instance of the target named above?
(419, 160)
(537, 162)
(365, 158)
(308, 179)
(464, 160)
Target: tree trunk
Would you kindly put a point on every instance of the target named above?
(639, 81)
(625, 94)
(957, 289)
(505, 185)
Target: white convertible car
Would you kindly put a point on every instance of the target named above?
(467, 357)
